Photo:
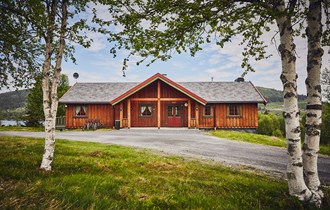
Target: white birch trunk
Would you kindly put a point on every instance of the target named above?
(50, 98)
(314, 103)
(297, 186)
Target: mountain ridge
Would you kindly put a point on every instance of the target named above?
(17, 99)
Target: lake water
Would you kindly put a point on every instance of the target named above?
(11, 123)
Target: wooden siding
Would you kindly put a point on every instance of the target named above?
(138, 121)
(205, 121)
(167, 91)
(149, 96)
(183, 113)
(248, 118)
(102, 112)
(147, 92)
(160, 93)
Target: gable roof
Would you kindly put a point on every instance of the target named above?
(203, 92)
(226, 92)
(164, 79)
(99, 93)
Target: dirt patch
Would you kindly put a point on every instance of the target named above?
(274, 138)
(96, 153)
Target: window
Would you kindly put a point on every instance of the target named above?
(146, 111)
(234, 110)
(173, 111)
(80, 111)
(177, 111)
(207, 111)
(169, 111)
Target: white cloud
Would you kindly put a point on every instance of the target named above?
(99, 42)
(223, 64)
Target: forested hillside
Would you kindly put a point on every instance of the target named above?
(13, 102)
(273, 95)
(13, 99)
(16, 99)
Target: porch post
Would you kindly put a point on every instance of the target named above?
(121, 114)
(197, 115)
(189, 112)
(158, 104)
(128, 113)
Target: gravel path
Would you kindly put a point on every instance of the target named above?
(191, 143)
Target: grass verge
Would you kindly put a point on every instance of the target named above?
(21, 128)
(38, 129)
(260, 139)
(97, 176)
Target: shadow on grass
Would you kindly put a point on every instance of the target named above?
(96, 176)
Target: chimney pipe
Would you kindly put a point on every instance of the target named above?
(239, 79)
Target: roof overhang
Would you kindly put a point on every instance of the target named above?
(83, 102)
(235, 102)
(264, 101)
(151, 80)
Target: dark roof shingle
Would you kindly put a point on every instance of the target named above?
(212, 92)
(95, 92)
(228, 92)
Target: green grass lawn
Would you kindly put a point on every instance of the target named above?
(98, 176)
(21, 128)
(259, 139)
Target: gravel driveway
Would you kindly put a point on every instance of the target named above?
(191, 143)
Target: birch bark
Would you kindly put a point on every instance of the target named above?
(314, 103)
(50, 99)
(296, 183)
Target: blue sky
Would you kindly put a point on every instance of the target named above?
(223, 64)
(97, 65)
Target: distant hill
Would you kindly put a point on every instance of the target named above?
(16, 99)
(13, 100)
(273, 95)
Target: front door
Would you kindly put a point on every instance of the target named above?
(174, 116)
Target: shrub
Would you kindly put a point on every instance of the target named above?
(278, 133)
(271, 125)
(325, 130)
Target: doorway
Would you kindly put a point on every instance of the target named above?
(174, 115)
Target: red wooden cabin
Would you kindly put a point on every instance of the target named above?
(161, 102)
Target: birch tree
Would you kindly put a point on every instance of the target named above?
(158, 29)
(36, 36)
(314, 97)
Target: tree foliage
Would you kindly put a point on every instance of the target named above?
(34, 106)
(271, 125)
(25, 30)
(20, 50)
(161, 28)
(325, 79)
(325, 134)
(37, 36)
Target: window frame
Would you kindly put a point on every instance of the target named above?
(239, 110)
(85, 109)
(146, 105)
(211, 111)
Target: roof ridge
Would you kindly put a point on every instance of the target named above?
(172, 80)
(214, 82)
(102, 82)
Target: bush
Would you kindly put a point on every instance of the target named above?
(325, 130)
(271, 125)
(278, 133)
